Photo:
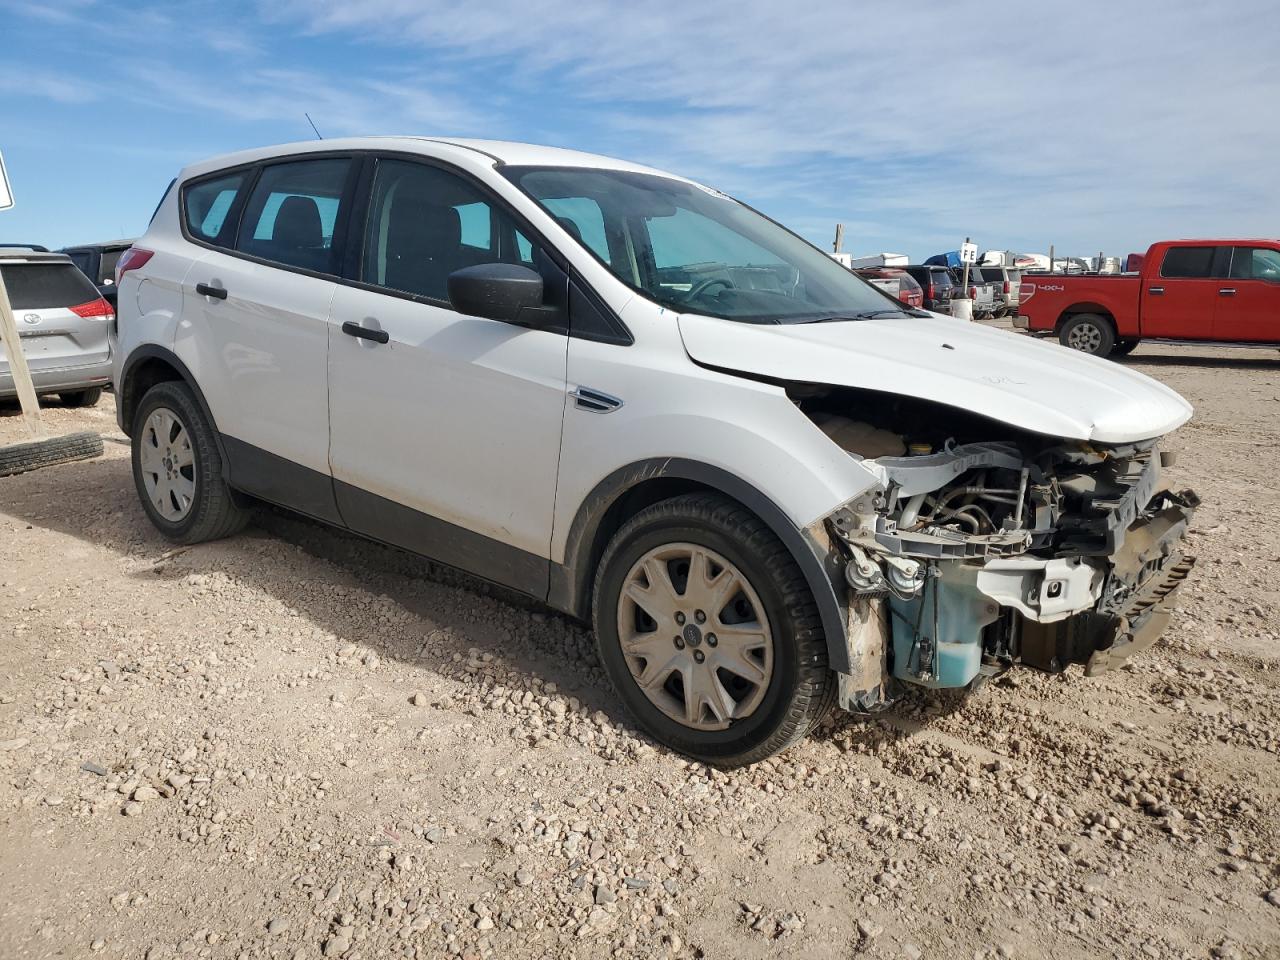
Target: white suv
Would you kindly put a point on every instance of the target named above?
(769, 485)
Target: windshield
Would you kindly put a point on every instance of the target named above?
(697, 251)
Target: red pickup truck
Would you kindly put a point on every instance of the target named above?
(1217, 291)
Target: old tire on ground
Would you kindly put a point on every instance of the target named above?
(1124, 347)
(709, 632)
(1089, 333)
(81, 398)
(177, 468)
(21, 457)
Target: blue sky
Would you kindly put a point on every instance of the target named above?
(1089, 125)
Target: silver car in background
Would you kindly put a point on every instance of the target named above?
(64, 323)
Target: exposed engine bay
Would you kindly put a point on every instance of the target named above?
(983, 546)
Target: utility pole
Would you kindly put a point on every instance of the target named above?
(835, 248)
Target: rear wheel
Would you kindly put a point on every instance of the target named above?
(709, 632)
(177, 468)
(1089, 333)
(81, 398)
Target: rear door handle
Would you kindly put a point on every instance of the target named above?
(218, 293)
(353, 329)
(1155, 291)
(1227, 292)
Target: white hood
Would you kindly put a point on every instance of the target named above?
(1042, 387)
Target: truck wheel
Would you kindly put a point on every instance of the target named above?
(1124, 347)
(709, 632)
(177, 468)
(1089, 333)
(81, 398)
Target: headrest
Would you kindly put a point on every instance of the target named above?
(298, 223)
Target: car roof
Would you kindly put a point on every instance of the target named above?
(494, 152)
(27, 255)
(106, 245)
(1219, 242)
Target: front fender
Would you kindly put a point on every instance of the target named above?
(571, 580)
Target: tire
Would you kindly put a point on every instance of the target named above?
(1089, 333)
(198, 503)
(798, 688)
(1124, 347)
(81, 398)
(21, 457)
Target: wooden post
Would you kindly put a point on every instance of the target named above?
(965, 282)
(18, 365)
(1051, 258)
(839, 238)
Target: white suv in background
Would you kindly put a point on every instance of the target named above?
(769, 485)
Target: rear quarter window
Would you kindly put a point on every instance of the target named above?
(45, 286)
(207, 203)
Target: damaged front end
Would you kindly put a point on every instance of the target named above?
(968, 557)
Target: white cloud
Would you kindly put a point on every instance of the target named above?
(1108, 124)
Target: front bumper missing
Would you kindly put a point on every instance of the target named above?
(1137, 602)
(1095, 611)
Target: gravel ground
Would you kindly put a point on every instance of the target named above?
(297, 744)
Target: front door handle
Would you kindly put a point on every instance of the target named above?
(1155, 291)
(1227, 292)
(218, 293)
(353, 329)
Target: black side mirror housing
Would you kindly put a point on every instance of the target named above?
(499, 291)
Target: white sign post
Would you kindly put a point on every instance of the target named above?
(9, 337)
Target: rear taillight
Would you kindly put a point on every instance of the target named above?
(94, 308)
(1006, 286)
(131, 259)
(929, 292)
(973, 293)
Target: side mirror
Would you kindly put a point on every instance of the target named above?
(500, 291)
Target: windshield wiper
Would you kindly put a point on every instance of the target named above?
(860, 315)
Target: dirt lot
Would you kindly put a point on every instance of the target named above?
(297, 744)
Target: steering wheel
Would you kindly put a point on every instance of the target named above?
(702, 286)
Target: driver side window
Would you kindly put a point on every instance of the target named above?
(1255, 263)
(425, 223)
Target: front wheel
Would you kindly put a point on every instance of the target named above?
(709, 632)
(1089, 333)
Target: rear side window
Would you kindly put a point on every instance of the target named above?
(292, 213)
(207, 204)
(83, 260)
(107, 268)
(43, 286)
(1187, 262)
